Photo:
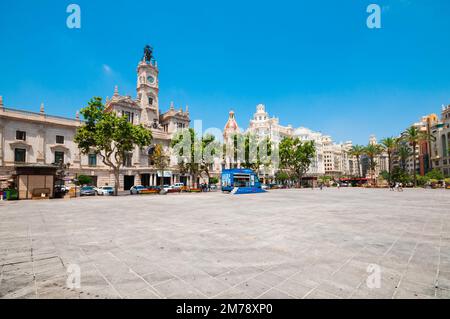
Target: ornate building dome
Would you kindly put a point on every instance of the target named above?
(231, 127)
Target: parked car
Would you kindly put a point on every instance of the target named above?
(171, 189)
(178, 185)
(87, 191)
(264, 186)
(135, 190)
(105, 190)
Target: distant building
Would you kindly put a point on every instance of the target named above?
(330, 159)
(440, 150)
(31, 143)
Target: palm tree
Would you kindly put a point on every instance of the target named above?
(414, 136)
(390, 145)
(403, 153)
(372, 151)
(357, 151)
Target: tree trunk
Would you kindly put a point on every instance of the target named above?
(414, 164)
(161, 181)
(390, 167)
(359, 166)
(116, 180)
(194, 177)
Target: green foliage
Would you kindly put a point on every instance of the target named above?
(84, 180)
(109, 135)
(400, 175)
(372, 151)
(414, 136)
(325, 179)
(357, 151)
(385, 174)
(194, 154)
(296, 156)
(435, 174)
(256, 152)
(403, 152)
(160, 160)
(422, 180)
(281, 176)
(213, 180)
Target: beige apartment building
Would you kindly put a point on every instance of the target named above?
(32, 142)
(440, 149)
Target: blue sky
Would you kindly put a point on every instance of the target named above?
(313, 63)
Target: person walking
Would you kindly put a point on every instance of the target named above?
(391, 186)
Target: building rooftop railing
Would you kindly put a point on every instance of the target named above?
(44, 115)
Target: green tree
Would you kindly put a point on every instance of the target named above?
(400, 175)
(84, 180)
(281, 177)
(296, 157)
(213, 180)
(389, 144)
(194, 154)
(435, 174)
(372, 151)
(357, 151)
(160, 160)
(403, 152)
(414, 136)
(386, 176)
(110, 136)
(256, 152)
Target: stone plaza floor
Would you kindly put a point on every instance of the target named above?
(347, 243)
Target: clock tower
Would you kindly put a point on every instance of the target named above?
(148, 87)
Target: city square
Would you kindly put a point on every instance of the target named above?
(293, 243)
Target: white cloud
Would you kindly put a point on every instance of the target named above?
(107, 69)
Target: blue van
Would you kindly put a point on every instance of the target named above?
(240, 181)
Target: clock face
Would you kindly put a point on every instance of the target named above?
(151, 79)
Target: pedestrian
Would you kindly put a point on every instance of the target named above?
(400, 189)
(391, 186)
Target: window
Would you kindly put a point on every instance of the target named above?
(150, 100)
(92, 160)
(129, 116)
(19, 155)
(59, 157)
(59, 139)
(127, 160)
(21, 135)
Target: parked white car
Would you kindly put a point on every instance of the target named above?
(137, 189)
(105, 190)
(178, 185)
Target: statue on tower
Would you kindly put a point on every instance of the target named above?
(148, 54)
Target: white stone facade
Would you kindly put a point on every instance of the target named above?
(33, 139)
(331, 158)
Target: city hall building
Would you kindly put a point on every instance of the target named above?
(32, 142)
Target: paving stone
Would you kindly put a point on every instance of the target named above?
(301, 243)
(253, 288)
(275, 294)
